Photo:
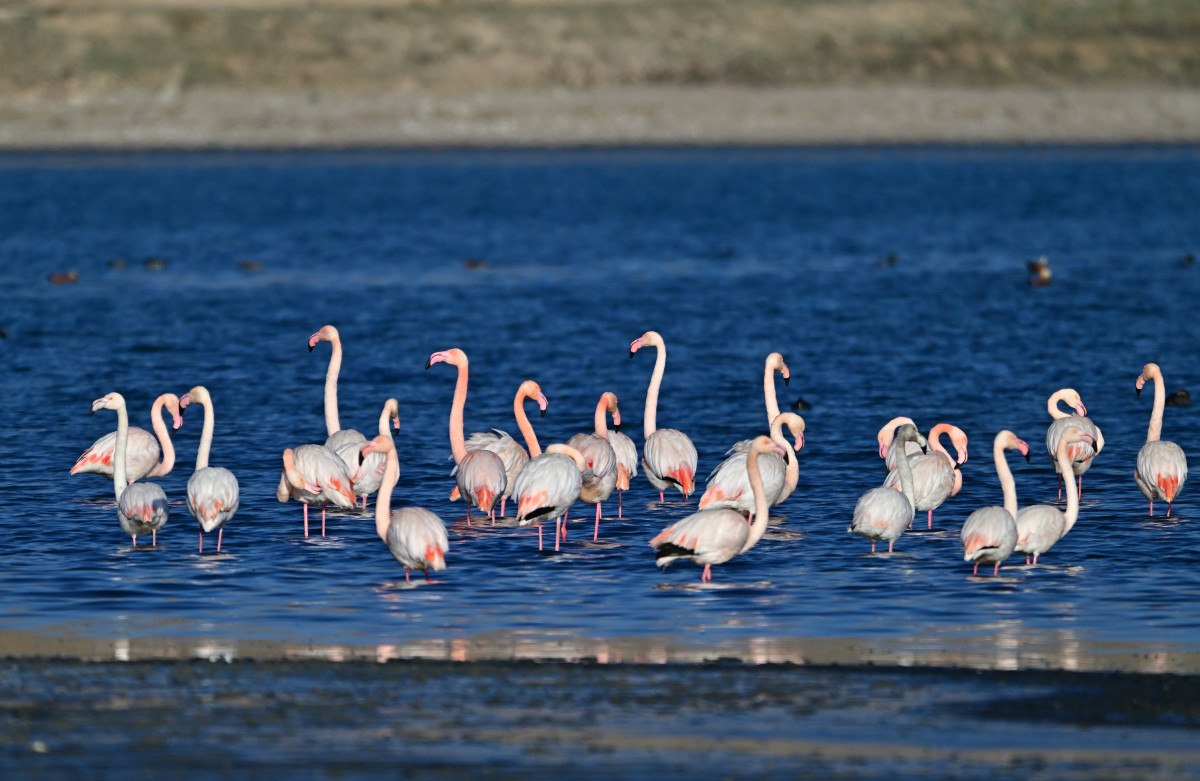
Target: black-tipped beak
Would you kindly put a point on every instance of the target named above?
(543, 413)
(787, 380)
(427, 363)
(616, 427)
(1137, 390)
(90, 414)
(631, 353)
(310, 347)
(958, 466)
(925, 449)
(1027, 459)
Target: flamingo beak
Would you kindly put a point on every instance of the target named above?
(185, 400)
(1081, 410)
(543, 404)
(396, 423)
(1137, 387)
(883, 448)
(799, 442)
(787, 379)
(634, 346)
(616, 426)
(178, 422)
(312, 341)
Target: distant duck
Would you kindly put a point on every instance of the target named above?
(64, 278)
(155, 263)
(1040, 274)
(1180, 398)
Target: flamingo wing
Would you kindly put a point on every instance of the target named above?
(705, 537)
(989, 535)
(142, 454)
(933, 479)
(213, 496)
(669, 459)
(1161, 470)
(480, 475)
(417, 538)
(546, 487)
(322, 467)
(1039, 526)
(142, 508)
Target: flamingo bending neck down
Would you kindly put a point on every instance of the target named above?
(547, 487)
(416, 537)
(711, 537)
(603, 472)
(1161, 465)
(479, 473)
(989, 535)
(314, 474)
(936, 474)
(729, 484)
(884, 438)
(212, 490)
(668, 455)
(1081, 453)
(366, 472)
(882, 513)
(141, 507)
(1040, 526)
(143, 449)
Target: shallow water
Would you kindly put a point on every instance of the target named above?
(730, 254)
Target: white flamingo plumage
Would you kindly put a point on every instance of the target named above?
(668, 455)
(883, 513)
(884, 438)
(711, 537)
(600, 478)
(416, 537)
(141, 507)
(212, 490)
(1081, 453)
(936, 476)
(366, 472)
(989, 535)
(314, 474)
(143, 449)
(547, 487)
(1161, 465)
(1040, 526)
(729, 484)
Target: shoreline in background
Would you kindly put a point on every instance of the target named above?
(216, 118)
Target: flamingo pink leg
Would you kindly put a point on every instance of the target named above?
(1027, 560)
(406, 577)
(135, 540)
(890, 544)
(596, 532)
(322, 520)
(1168, 509)
(661, 498)
(540, 535)
(619, 495)
(706, 575)
(931, 519)
(468, 512)
(427, 580)
(557, 521)
(976, 570)
(306, 521)
(872, 546)
(202, 541)
(503, 500)
(364, 503)
(154, 538)
(219, 533)
(996, 571)
(1080, 494)
(1151, 508)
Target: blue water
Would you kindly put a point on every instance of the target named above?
(730, 254)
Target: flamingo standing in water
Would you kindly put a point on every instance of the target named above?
(990, 534)
(547, 487)
(602, 473)
(314, 474)
(882, 513)
(212, 490)
(627, 462)
(711, 537)
(729, 484)
(1161, 465)
(936, 474)
(1081, 453)
(499, 442)
(416, 537)
(366, 475)
(143, 449)
(479, 473)
(668, 456)
(141, 507)
(1040, 526)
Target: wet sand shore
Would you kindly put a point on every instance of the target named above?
(610, 116)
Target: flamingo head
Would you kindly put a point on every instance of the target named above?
(795, 424)
(171, 402)
(908, 433)
(1010, 441)
(775, 363)
(887, 432)
(648, 339)
(1149, 372)
(531, 390)
(293, 477)
(453, 356)
(379, 444)
(610, 404)
(393, 410)
(197, 395)
(958, 438)
(763, 445)
(327, 334)
(112, 401)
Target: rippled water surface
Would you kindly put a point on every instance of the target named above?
(730, 254)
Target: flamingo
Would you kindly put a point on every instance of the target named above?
(416, 537)
(547, 487)
(212, 490)
(1040, 526)
(141, 507)
(774, 363)
(936, 475)
(990, 534)
(1082, 453)
(602, 473)
(314, 474)
(337, 436)
(502, 444)
(729, 484)
(366, 474)
(882, 513)
(711, 537)
(1161, 465)
(479, 473)
(884, 438)
(668, 456)
(143, 450)
(627, 462)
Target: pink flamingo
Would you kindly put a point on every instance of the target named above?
(141, 507)
(499, 442)
(366, 473)
(1082, 453)
(668, 456)
(547, 487)
(774, 363)
(602, 472)
(314, 474)
(212, 490)
(416, 537)
(479, 473)
(990, 534)
(1161, 465)
(729, 484)
(936, 474)
(883, 513)
(143, 450)
(1040, 526)
(711, 537)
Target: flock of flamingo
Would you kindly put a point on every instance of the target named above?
(756, 474)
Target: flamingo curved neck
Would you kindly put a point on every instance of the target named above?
(458, 445)
(164, 440)
(332, 424)
(1064, 468)
(206, 436)
(1052, 406)
(1007, 484)
(934, 438)
(383, 499)
(601, 418)
(119, 476)
(1156, 416)
(531, 440)
(769, 396)
(390, 409)
(660, 364)
(791, 472)
(569, 452)
(762, 509)
(906, 481)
